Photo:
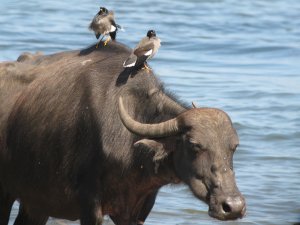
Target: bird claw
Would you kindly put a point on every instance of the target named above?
(147, 68)
(106, 41)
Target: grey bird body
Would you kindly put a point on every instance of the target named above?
(144, 50)
(104, 23)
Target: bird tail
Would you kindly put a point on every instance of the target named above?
(113, 35)
(119, 27)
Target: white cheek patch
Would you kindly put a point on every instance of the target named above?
(149, 52)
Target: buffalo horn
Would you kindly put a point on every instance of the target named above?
(163, 129)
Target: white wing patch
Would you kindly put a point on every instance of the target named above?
(129, 65)
(149, 52)
(112, 28)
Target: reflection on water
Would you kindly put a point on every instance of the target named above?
(241, 56)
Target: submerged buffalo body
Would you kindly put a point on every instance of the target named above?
(86, 138)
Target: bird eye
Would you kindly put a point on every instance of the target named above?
(198, 147)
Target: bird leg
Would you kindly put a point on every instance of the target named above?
(107, 40)
(97, 45)
(147, 68)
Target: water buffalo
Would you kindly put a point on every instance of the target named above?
(86, 138)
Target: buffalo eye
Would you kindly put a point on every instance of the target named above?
(235, 147)
(195, 146)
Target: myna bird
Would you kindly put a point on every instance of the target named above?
(145, 49)
(103, 24)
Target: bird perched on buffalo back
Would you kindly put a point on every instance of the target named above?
(104, 24)
(145, 49)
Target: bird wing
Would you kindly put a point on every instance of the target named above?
(144, 49)
(131, 61)
(141, 53)
(111, 18)
(113, 26)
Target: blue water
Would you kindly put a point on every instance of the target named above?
(241, 56)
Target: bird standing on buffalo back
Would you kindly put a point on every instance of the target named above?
(145, 49)
(104, 23)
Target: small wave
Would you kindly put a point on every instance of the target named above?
(275, 137)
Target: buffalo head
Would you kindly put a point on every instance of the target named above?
(206, 141)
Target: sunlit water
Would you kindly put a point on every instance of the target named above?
(240, 56)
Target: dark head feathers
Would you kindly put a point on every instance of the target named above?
(102, 11)
(151, 33)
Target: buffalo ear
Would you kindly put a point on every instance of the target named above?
(152, 145)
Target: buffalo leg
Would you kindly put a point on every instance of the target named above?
(146, 208)
(119, 220)
(143, 213)
(6, 203)
(24, 219)
(91, 214)
(5, 212)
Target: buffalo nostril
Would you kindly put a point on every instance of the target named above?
(234, 206)
(226, 208)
